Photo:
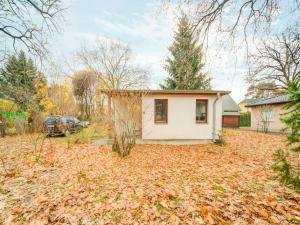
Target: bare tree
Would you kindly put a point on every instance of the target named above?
(277, 60)
(84, 89)
(229, 15)
(112, 63)
(26, 23)
(265, 114)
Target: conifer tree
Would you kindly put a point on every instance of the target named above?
(186, 61)
(289, 171)
(17, 80)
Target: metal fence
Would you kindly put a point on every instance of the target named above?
(13, 115)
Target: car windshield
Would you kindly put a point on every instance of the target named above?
(76, 120)
(51, 119)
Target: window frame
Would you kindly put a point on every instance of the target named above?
(206, 111)
(161, 121)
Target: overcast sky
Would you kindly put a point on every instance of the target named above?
(148, 31)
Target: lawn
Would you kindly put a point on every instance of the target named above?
(156, 184)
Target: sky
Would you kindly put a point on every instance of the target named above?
(148, 31)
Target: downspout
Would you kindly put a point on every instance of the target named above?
(214, 117)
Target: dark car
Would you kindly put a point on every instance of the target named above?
(61, 125)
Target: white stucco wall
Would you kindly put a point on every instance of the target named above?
(181, 118)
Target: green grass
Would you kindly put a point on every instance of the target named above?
(175, 201)
(87, 135)
(160, 208)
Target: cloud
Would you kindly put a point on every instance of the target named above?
(146, 25)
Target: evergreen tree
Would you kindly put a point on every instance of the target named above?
(185, 64)
(17, 80)
(289, 171)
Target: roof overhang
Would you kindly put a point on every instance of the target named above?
(166, 92)
(262, 104)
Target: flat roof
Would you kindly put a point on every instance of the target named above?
(170, 92)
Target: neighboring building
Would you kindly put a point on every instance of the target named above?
(245, 102)
(179, 116)
(231, 112)
(266, 113)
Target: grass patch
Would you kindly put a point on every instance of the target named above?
(160, 208)
(87, 135)
(176, 201)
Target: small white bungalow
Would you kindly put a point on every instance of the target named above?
(178, 116)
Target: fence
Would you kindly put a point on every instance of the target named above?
(13, 115)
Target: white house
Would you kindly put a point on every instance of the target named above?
(179, 116)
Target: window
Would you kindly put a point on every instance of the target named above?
(161, 111)
(267, 116)
(201, 111)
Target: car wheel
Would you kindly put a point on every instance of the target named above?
(67, 133)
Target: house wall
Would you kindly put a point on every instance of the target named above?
(181, 118)
(244, 109)
(275, 124)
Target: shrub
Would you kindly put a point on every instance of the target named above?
(123, 144)
(220, 141)
(245, 119)
(288, 174)
(288, 168)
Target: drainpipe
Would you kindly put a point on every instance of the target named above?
(214, 117)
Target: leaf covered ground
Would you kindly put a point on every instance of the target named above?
(156, 184)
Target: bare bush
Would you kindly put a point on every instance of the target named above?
(111, 62)
(126, 119)
(38, 142)
(266, 116)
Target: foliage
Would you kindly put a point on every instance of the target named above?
(41, 97)
(61, 95)
(288, 174)
(292, 118)
(186, 62)
(158, 184)
(84, 89)
(123, 144)
(220, 140)
(17, 80)
(288, 168)
(245, 119)
(7, 106)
